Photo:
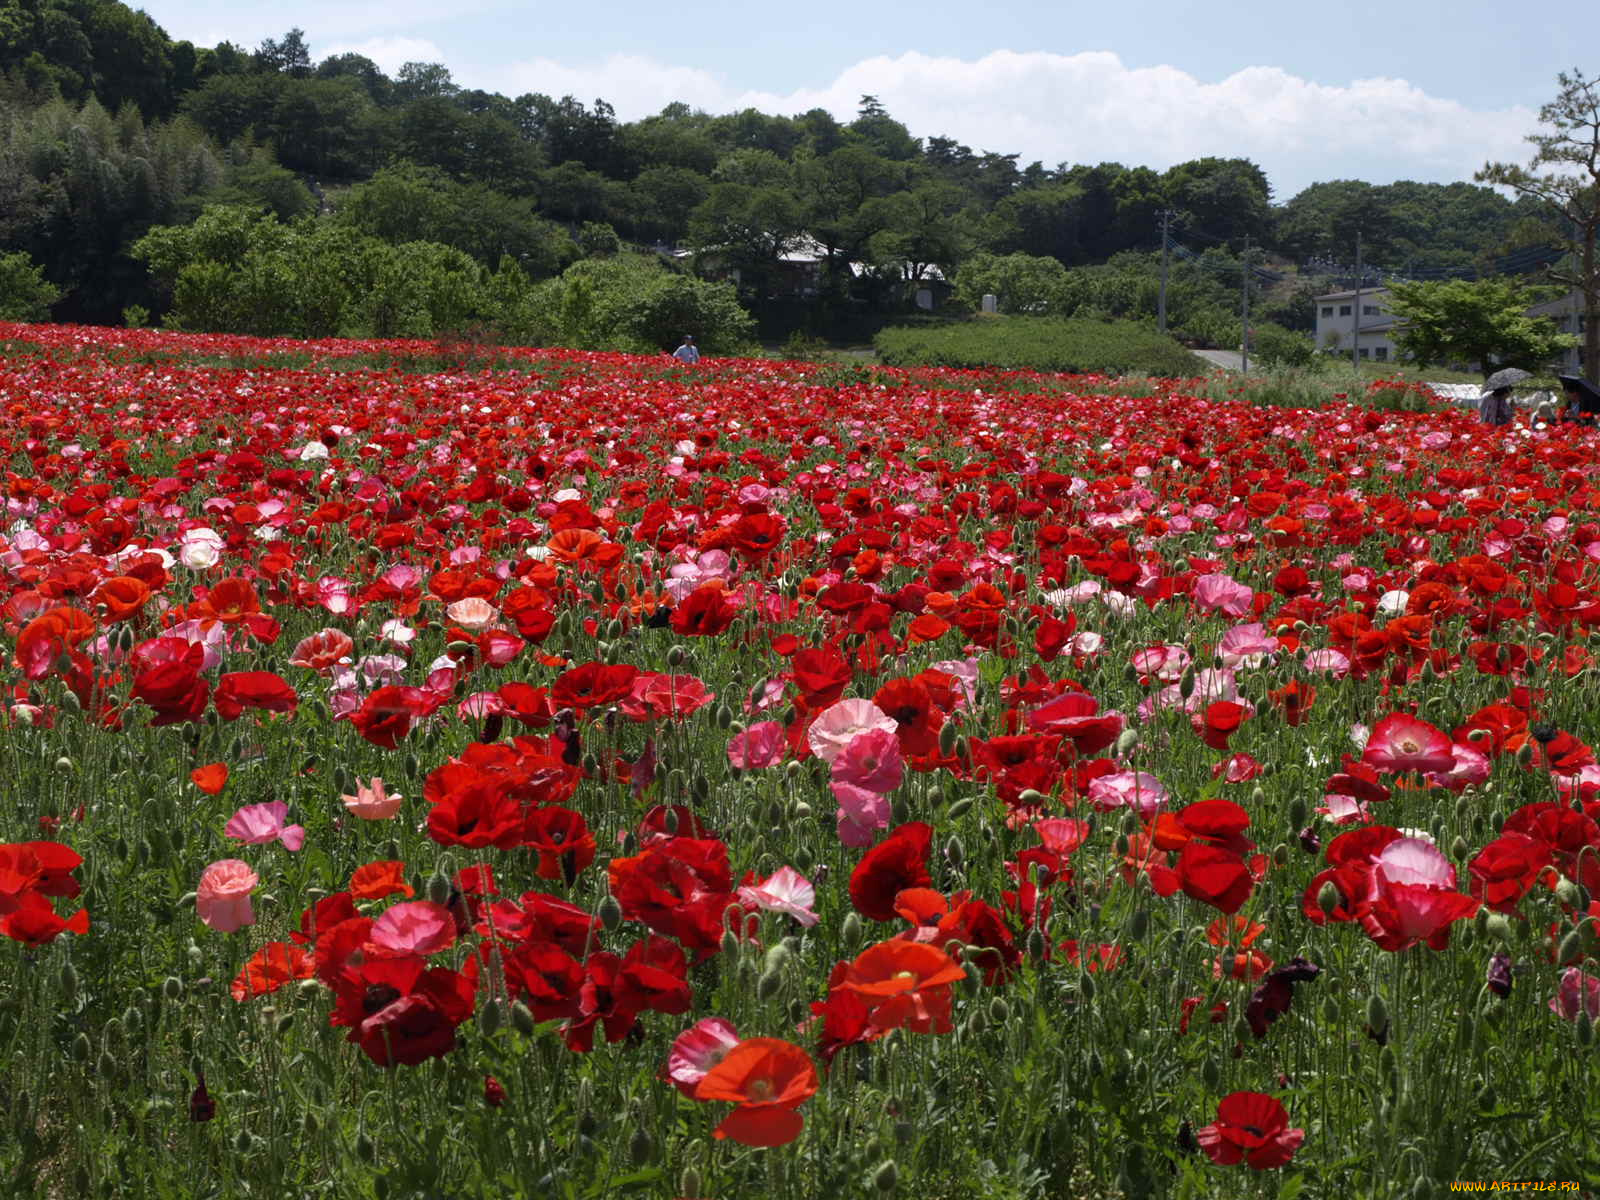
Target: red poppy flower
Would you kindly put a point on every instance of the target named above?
(401, 1012)
(269, 968)
(211, 778)
(239, 690)
(768, 1079)
(376, 880)
(388, 714)
(563, 842)
(894, 864)
(1253, 1128)
(904, 984)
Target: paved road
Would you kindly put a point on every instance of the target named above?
(1228, 360)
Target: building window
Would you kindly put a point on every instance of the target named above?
(1369, 310)
(1327, 310)
(1381, 354)
(1344, 310)
(1364, 352)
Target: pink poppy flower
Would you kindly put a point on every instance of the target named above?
(839, 724)
(1579, 991)
(372, 802)
(872, 760)
(655, 697)
(1411, 897)
(1224, 594)
(322, 651)
(697, 1049)
(257, 824)
(474, 613)
(784, 891)
(1137, 790)
(418, 927)
(1246, 646)
(1470, 768)
(861, 814)
(223, 897)
(1401, 742)
(762, 745)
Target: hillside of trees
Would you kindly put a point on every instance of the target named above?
(110, 130)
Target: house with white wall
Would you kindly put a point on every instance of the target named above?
(1372, 332)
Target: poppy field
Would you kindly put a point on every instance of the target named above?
(578, 775)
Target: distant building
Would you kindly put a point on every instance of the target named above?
(1372, 333)
(1567, 312)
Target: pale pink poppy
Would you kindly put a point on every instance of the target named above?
(1246, 646)
(784, 891)
(1401, 742)
(418, 927)
(1415, 861)
(861, 814)
(872, 760)
(697, 1049)
(762, 745)
(1222, 593)
(372, 802)
(1138, 790)
(965, 671)
(1579, 991)
(480, 705)
(257, 824)
(223, 897)
(473, 613)
(1333, 662)
(1061, 835)
(837, 725)
(1165, 663)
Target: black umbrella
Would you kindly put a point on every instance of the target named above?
(1504, 378)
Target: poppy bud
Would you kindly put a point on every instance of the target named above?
(1497, 927)
(366, 1151)
(954, 852)
(947, 739)
(1570, 951)
(1486, 1097)
(522, 1019)
(998, 1011)
(1377, 1015)
(490, 1017)
(1568, 893)
(850, 929)
(439, 887)
(1499, 975)
(1310, 840)
(887, 1177)
(675, 656)
(610, 911)
(802, 811)
(960, 807)
(1280, 854)
(308, 1122)
(641, 1146)
(81, 1048)
(1328, 898)
(977, 1022)
(1086, 986)
(172, 987)
(69, 980)
(1585, 1028)
(1126, 741)
(769, 984)
(1138, 923)
(1186, 683)
(201, 1106)
(1211, 1073)
(689, 1182)
(730, 944)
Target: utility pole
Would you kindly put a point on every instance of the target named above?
(1355, 321)
(1244, 309)
(1166, 246)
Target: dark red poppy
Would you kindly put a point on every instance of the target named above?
(898, 862)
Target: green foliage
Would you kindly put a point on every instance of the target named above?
(1020, 283)
(1039, 344)
(25, 295)
(1478, 321)
(1274, 346)
(239, 272)
(632, 302)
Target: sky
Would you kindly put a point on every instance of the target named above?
(1402, 89)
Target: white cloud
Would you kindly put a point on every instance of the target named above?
(1091, 107)
(390, 53)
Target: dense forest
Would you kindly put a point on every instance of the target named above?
(113, 137)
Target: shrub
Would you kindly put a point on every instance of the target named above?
(1274, 346)
(1040, 344)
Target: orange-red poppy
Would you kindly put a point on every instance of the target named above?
(768, 1079)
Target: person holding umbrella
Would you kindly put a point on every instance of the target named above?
(1494, 405)
(1583, 400)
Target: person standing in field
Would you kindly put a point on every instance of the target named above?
(688, 352)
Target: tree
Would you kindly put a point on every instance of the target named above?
(1564, 179)
(1480, 321)
(24, 293)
